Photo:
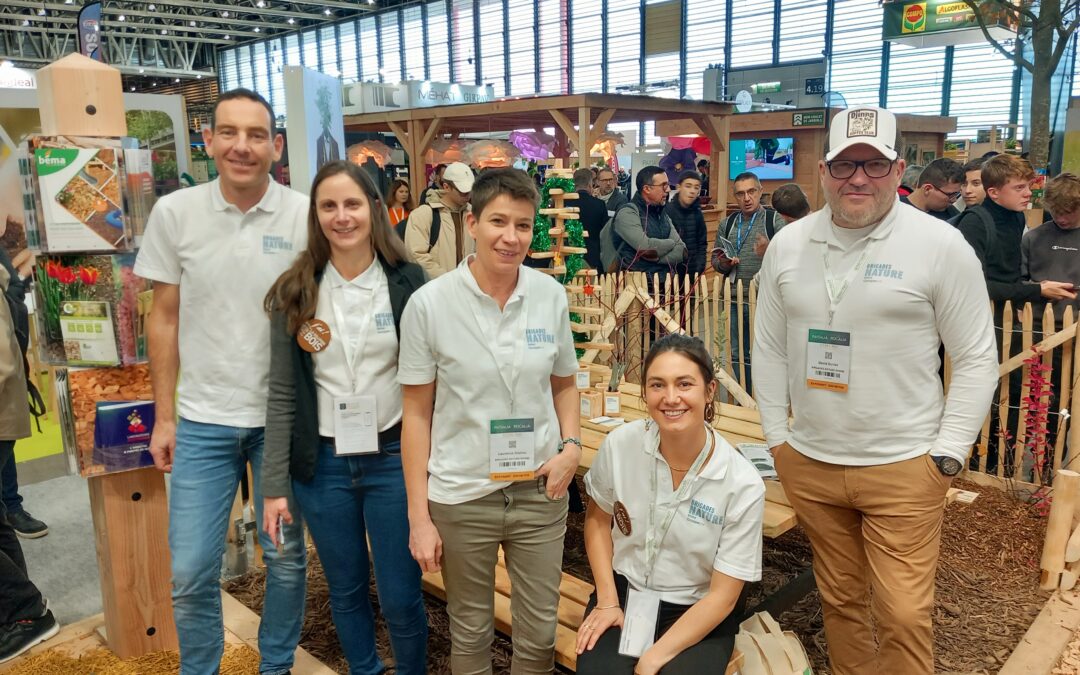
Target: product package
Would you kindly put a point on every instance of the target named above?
(82, 199)
(92, 310)
(106, 417)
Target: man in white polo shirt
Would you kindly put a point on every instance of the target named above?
(853, 303)
(213, 251)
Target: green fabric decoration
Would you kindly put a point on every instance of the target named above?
(541, 241)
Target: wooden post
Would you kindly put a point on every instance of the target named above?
(82, 97)
(1059, 528)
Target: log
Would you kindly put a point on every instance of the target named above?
(1059, 527)
(1072, 549)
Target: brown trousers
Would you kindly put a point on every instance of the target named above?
(871, 527)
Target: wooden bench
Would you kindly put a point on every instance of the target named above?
(574, 597)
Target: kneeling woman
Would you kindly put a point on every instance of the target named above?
(334, 414)
(687, 510)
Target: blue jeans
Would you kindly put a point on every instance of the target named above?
(207, 467)
(9, 486)
(740, 344)
(352, 500)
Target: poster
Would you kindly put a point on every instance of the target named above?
(316, 134)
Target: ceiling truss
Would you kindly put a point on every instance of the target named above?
(163, 38)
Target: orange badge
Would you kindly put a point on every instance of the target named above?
(313, 336)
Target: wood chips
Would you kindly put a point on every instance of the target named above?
(238, 660)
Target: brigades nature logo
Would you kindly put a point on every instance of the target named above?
(914, 18)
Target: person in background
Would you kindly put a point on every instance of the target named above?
(910, 179)
(711, 550)
(852, 305)
(399, 204)
(790, 201)
(212, 252)
(644, 237)
(609, 192)
(489, 458)
(685, 214)
(25, 618)
(435, 232)
(347, 481)
(703, 169)
(937, 188)
(435, 184)
(1052, 251)
(592, 213)
(972, 187)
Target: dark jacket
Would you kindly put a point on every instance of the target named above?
(292, 419)
(947, 215)
(998, 250)
(690, 224)
(1050, 253)
(593, 216)
(638, 227)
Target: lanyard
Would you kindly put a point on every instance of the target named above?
(838, 287)
(654, 537)
(740, 236)
(352, 354)
(490, 340)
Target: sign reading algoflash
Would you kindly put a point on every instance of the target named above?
(935, 23)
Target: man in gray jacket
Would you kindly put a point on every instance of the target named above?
(609, 193)
(645, 238)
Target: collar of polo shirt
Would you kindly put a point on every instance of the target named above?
(717, 467)
(822, 232)
(269, 203)
(470, 280)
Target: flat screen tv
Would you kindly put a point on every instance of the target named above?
(767, 158)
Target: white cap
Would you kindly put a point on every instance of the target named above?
(460, 175)
(875, 127)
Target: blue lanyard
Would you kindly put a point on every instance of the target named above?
(740, 236)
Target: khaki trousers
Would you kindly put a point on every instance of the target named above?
(530, 527)
(871, 527)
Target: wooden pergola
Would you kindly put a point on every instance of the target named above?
(578, 120)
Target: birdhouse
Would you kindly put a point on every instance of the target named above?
(78, 96)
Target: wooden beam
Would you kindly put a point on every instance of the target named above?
(584, 134)
(717, 128)
(602, 120)
(564, 123)
(397, 130)
(429, 135)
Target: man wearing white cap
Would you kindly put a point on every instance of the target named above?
(435, 233)
(853, 302)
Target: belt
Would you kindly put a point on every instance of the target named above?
(391, 435)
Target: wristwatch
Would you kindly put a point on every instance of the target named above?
(948, 466)
(569, 441)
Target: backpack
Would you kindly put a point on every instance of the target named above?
(770, 224)
(609, 248)
(20, 321)
(433, 234)
(987, 221)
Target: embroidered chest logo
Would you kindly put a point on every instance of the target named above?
(700, 512)
(1062, 248)
(384, 322)
(881, 271)
(275, 244)
(537, 337)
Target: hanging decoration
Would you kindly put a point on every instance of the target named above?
(445, 151)
(605, 144)
(361, 152)
(491, 153)
(574, 229)
(535, 145)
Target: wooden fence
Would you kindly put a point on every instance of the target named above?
(1021, 453)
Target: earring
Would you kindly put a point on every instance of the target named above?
(710, 412)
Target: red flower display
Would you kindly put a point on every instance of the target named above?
(89, 275)
(66, 275)
(52, 269)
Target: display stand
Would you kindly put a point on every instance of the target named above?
(82, 97)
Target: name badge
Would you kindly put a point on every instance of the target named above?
(828, 360)
(639, 622)
(512, 444)
(356, 426)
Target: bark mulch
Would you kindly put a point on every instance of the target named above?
(987, 590)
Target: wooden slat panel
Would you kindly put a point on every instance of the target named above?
(1003, 397)
(1065, 400)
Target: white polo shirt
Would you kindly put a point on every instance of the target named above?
(717, 525)
(364, 305)
(921, 284)
(224, 262)
(444, 338)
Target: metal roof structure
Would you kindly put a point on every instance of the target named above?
(162, 38)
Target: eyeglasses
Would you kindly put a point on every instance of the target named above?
(873, 168)
(746, 193)
(951, 196)
(660, 185)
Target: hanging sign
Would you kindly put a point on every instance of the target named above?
(90, 31)
(937, 23)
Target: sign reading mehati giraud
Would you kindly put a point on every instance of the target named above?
(936, 23)
(367, 97)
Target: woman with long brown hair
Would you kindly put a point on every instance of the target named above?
(333, 425)
(399, 202)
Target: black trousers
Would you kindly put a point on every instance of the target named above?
(19, 597)
(711, 655)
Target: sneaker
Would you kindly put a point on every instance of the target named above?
(17, 637)
(27, 526)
